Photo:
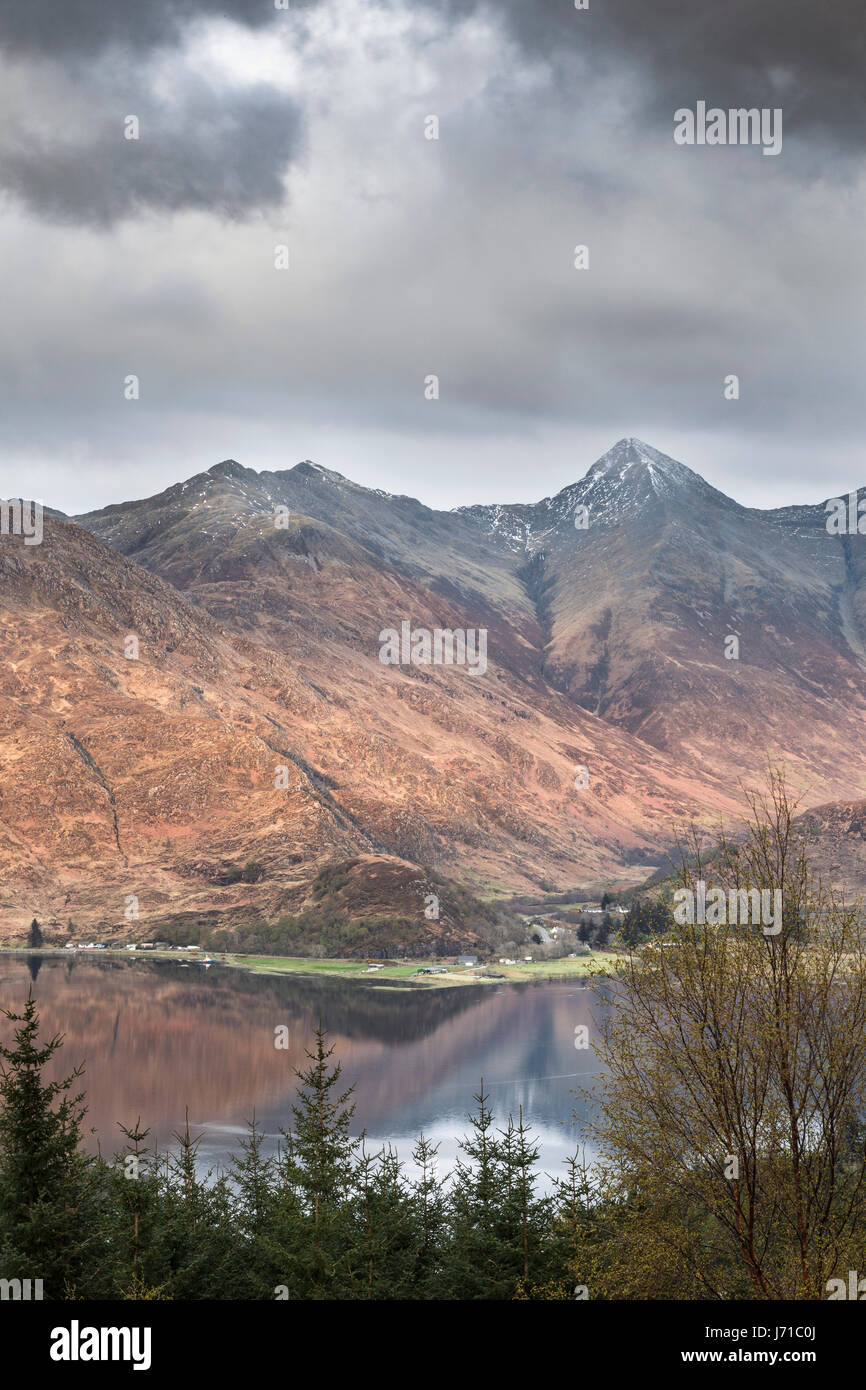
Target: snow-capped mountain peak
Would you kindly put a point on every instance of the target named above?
(633, 454)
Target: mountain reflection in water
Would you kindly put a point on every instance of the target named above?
(156, 1037)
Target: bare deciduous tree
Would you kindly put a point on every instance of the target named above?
(736, 1064)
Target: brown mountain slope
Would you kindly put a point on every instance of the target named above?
(152, 777)
(630, 618)
(639, 608)
(131, 777)
(259, 723)
(835, 839)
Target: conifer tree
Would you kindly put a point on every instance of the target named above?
(383, 1256)
(132, 1214)
(476, 1263)
(255, 1201)
(527, 1217)
(252, 1176)
(205, 1254)
(322, 1166)
(47, 1186)
(430, 1214)
(279, 1249)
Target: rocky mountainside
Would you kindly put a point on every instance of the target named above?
(718, 634)
(258, 722)
(641, 606)
(272, 734)
(835, 840)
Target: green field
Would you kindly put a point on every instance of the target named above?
(401, 973)
(599, 962)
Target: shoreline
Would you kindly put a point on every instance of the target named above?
(400, 974)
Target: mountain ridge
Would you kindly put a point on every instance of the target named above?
(610, 714)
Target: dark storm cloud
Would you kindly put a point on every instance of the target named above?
(229, 150)
(56, 27)
(412, 256)
(221, 152)
(810, 53)
(806, 55)
(221, 148)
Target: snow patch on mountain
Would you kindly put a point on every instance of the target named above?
(630, 476)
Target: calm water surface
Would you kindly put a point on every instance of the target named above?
(157, 1037)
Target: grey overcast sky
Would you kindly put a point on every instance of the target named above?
(305, 126)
